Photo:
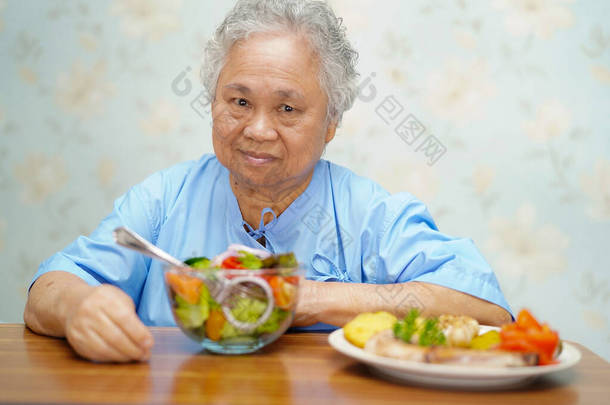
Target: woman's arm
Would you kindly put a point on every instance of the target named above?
(99, 322)
(50, 300)
(337, 303)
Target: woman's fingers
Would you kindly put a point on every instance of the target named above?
(115, 336)
(104, 352)
(105, 327)
(88, 344)
(125, 317)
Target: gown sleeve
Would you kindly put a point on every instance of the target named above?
(404, 244)
(98, 260)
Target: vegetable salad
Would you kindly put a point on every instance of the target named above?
(202, 317)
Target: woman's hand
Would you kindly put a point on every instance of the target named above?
(105, 327)
(100, 322)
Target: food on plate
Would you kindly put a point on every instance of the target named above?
(459, 330)
(387, 345)
(487, 340)
(448, 330)
(527, 335)
(201, 316)
(362, 327)
(450, 339)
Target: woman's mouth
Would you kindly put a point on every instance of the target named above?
(257, 158)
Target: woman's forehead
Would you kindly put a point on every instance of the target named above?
(268, 57)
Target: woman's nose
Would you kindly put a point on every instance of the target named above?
(260, 128)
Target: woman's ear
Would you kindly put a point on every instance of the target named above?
(330, 131)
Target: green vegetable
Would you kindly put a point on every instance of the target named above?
(430, 334)
(193, 316)
(407, 327)
(229, 331)
(198, 262)
(249, 260)
(244, 310)
(415, 329)
(282, 260)
(250, 310)
(273, 323)
(287, 260)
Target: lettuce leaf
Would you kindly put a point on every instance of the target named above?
(249, 260)
(250, 310)
(273, 323)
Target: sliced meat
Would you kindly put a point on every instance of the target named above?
(480, 358)
(385, 344)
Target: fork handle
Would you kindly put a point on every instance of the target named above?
(129, 239)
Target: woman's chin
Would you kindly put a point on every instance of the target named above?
(257, 177)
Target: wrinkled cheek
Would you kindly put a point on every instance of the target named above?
(224, 126)
(225, 129)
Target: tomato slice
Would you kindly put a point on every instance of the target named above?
(546, 341)
(232, 262)
(518, 345)
(526, 320)
(528, 335)
(512, 334)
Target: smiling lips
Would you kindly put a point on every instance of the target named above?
(257, 158)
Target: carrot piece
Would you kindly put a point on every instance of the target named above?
(185, 286)
(283, 292)
(214, 324)
(292, 279)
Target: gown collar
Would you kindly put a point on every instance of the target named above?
(297, 210)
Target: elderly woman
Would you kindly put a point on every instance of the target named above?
(281, 74)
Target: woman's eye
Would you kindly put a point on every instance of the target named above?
(287, 108)
(241, 102)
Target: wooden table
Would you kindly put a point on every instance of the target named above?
(298, 368)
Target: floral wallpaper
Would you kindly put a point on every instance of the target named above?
(494, 113)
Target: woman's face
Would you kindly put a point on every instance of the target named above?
(269, 115)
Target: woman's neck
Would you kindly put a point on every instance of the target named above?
(253, 200)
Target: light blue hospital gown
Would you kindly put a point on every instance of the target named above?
(342, 228)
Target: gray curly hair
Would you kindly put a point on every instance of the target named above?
(321, 27)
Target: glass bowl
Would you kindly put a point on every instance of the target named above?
(233, 311)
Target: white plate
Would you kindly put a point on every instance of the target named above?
(450, 376)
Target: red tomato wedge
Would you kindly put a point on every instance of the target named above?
(528, 335)
(232, 262)
(525, 320)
